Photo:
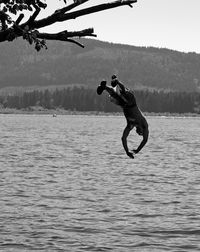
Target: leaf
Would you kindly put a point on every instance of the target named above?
(30, 39)
(20, 7)
(30, 8)
(37, 47)
(13, 11)
(5, 9)
(26, 28)
(16, 7)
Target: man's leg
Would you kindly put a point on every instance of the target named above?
(101, 87)
(126, 132)
(111, 92)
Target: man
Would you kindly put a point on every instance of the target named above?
(125, 98)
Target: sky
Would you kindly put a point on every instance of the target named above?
(172, 24)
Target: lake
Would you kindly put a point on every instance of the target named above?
(67, 185)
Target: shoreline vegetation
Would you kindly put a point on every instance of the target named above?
(85, 99)
(60, 111)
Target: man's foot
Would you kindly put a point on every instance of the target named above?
(130, 154)
(114, 80)
(101, 87)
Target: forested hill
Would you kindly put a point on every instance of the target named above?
(65, 63)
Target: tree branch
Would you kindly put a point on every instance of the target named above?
(75, 42)
(72, 15)
(19, 19)
(33, 17)
(70, 7)
(29, 31)
(64, 35)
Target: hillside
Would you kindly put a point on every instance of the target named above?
(65, 63)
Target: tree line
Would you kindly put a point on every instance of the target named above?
(86, 99)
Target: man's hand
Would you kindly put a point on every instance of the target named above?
(130, 154)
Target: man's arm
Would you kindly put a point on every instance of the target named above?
(144, 141)
(124, 140)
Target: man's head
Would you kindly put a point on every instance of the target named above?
(139, 130)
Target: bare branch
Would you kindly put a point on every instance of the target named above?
(70, 7)
(21, 16)
(29, 29)
(72, 15)
(65, 35)
(97, 8)
(33, 17)
(75, 42)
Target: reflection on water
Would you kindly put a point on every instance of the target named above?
(67, 185)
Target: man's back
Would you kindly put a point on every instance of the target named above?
(133, 114)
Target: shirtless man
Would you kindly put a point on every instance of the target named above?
(125, 98)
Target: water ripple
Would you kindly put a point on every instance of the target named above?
(66, 185)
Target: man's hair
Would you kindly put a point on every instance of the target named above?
(139, 130)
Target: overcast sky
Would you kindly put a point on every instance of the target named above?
(173, 24)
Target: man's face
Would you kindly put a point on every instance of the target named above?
(139, 130)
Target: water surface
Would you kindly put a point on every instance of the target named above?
(67, 185)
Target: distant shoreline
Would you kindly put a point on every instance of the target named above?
(55, 112)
